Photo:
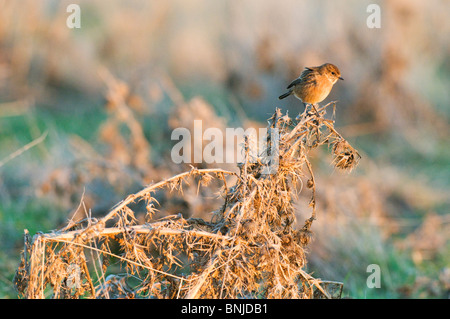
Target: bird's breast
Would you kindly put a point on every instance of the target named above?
(314, 94)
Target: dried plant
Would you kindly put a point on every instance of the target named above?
(249, 248)
(135, 150)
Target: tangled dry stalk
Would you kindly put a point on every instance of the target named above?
(249, 248)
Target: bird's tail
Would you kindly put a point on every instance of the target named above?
(284, 95)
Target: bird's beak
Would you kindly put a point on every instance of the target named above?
(341, 79)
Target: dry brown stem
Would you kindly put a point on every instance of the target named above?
(249, 248)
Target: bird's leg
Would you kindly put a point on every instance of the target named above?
(314, 107)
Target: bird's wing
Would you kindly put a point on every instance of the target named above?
(307, 77)
(295, 82)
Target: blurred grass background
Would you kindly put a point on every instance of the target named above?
(226, 62)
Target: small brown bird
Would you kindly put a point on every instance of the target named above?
(314, 84)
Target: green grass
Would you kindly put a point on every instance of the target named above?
(400, 277)
(33, 214)
(20, 207)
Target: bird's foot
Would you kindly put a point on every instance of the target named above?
(313, 108)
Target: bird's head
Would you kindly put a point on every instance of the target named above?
(331, 72)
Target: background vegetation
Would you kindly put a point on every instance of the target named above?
(226, 62)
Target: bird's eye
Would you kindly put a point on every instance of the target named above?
(333, 73)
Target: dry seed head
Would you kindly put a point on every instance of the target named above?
(345, 156)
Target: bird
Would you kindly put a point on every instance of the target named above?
(314, 84)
